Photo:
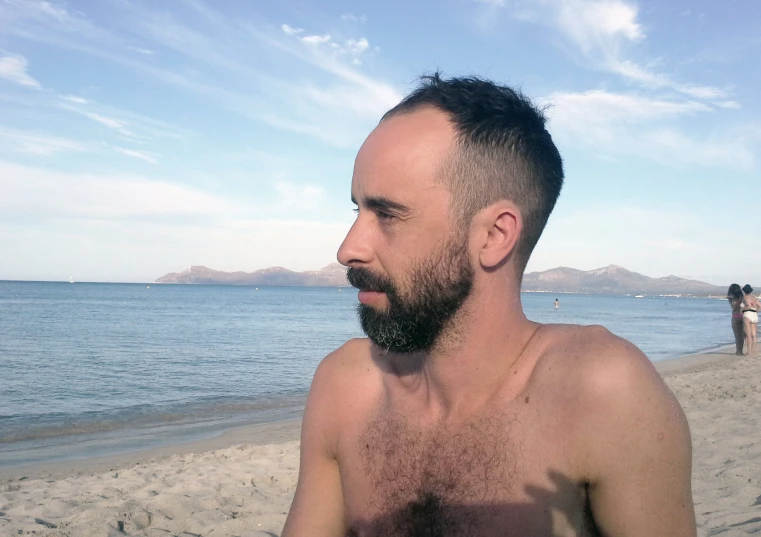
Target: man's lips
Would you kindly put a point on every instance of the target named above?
(367, 296)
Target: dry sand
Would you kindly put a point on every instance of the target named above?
(722, 401)
(242, 483)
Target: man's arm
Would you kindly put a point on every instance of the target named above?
(317, 508)
(639, 448)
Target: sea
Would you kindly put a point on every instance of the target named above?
(93, 369)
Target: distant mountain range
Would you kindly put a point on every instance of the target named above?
(614, 280)
(334, 275)
(608, 280)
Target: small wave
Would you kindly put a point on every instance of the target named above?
(142, 417)
(43, 433)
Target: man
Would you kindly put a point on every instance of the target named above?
(458, 416)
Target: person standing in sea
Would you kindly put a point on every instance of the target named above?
(750, 318)
(735, 298)
(458, 416)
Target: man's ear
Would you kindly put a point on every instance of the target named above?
(500, 228)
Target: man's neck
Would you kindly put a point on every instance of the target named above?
(480, 350)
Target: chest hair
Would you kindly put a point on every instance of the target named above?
(424, 479)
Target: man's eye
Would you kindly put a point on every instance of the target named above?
(356, 210)
(383, 215)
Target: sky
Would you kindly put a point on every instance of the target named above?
(142, 137)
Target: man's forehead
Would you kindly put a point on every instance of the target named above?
(404, 153)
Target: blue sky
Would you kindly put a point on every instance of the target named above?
(142, 137)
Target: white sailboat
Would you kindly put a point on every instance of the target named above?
(71, 279)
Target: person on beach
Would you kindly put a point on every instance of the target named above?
(458, 416)
(557, 303)
(735, 297)
(750, 319)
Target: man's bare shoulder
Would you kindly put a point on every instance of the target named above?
(346, 376)
(614, 391)
(349, 362)
(341, 387)
(592, 360)
(614, 369)
(600, 378)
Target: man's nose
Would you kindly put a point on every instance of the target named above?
(356, 248)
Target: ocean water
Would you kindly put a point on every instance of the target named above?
(93, 369)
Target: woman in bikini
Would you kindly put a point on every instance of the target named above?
(750, 318)
(735, 298)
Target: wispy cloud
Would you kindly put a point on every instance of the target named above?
(39, 191)
(595, 26)
(19, 15)
(13, 67)
(604, 35)
(73, 99)
(605, 106)
(316, 39)
(315, 106)
(229, 67)
(34, 143)
(651, 79)
(733, 150)
(376, 96)
(729, 105)
(140, 155)
(36, 191)
(130, 125)
(107, 121)
(111, 123)
(604, 31)
(143, 51)
(351, 48)
(636, 124)
(290, 30)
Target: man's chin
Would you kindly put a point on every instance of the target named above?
(374, 310)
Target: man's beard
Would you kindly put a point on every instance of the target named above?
(414, 322)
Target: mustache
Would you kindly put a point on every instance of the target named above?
(367, 280)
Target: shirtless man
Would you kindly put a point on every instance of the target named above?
(458, 416)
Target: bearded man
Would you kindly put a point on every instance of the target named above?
(458, 416)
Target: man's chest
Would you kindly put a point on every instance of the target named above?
(490, 476)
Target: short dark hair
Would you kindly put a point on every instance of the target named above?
(747, 289)
(504, 151)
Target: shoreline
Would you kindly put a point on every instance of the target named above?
(689, 363)
(258, 434)
(278, 431)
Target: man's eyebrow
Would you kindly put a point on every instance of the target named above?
(382, 203)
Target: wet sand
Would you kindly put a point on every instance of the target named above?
(241, 483)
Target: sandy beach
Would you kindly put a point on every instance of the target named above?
(241, 483)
